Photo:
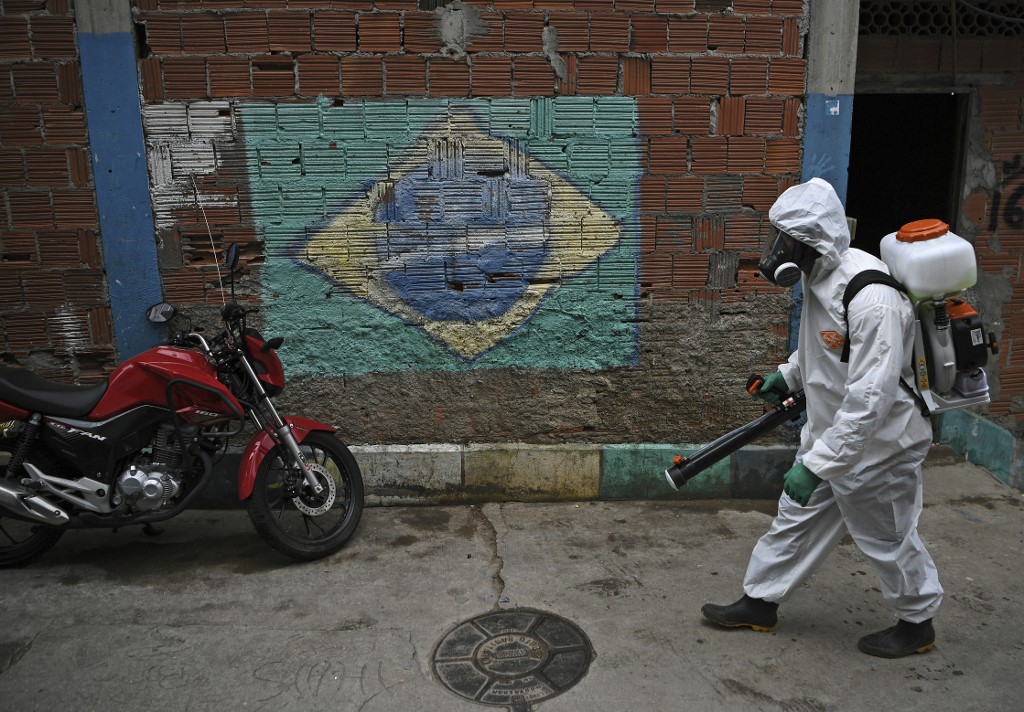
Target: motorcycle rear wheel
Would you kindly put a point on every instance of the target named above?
(297, 522)
(21, 541)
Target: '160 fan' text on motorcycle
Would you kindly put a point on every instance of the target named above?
(139, 447)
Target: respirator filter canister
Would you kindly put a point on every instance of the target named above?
(784, 258)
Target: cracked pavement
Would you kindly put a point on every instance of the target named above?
(206, 617)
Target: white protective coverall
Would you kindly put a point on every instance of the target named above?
(864, 435)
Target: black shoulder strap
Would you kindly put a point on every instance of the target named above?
(859, 281)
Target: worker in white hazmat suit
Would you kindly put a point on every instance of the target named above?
(858, 467)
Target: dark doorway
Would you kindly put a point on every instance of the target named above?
(906, 157)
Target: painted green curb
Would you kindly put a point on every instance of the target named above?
(984, 443)
(638, 472)
(451, 473)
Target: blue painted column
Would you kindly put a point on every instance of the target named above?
(111, 88)
(827, 130)
(831, 73)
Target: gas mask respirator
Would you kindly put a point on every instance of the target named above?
(785, 258)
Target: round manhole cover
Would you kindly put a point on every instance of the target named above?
(512, 658)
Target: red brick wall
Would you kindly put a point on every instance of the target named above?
(54, 313)
(998, 214)
(992, 68)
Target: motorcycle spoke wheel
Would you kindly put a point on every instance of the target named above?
(295, 520)
(21, 541)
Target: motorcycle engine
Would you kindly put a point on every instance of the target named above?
(146, 489)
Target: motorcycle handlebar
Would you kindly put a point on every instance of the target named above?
(197, 338)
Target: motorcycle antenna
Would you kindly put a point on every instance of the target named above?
(213, 246)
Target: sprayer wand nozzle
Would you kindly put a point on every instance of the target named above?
(685, 469)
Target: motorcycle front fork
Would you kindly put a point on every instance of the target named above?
(282, 430)
(284, 433)
(284, 436)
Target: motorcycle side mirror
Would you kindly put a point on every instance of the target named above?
(161, 313)
(231, 259)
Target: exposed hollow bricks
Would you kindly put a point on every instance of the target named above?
(249, 31)
(50, 259)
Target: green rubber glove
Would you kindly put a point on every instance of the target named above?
(774, 389)
(799, 483)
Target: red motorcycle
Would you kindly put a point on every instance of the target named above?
(140, 447)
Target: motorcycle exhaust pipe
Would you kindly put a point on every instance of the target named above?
(685, 469)
(24, 503)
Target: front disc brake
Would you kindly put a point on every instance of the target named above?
(311, 503)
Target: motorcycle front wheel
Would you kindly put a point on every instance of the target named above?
(296, 521)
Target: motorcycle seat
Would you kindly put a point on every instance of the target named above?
(24, 389)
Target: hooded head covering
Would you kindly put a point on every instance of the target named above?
(812, 213)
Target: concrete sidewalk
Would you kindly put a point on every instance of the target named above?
(206, 617)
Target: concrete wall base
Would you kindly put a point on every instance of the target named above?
(456, 474)
(453, 474)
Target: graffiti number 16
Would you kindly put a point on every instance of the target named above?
(1012, 214)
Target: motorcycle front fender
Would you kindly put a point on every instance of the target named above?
(262, 443)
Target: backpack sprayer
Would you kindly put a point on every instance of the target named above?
(950, 344)
(932, 266)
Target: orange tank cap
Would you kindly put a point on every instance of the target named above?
(921, 230)
(959, 309)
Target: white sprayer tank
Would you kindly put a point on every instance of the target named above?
(929, 260)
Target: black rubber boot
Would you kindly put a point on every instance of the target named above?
(745, 613)
(902, 639)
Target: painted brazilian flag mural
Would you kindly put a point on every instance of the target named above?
(443, 235)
